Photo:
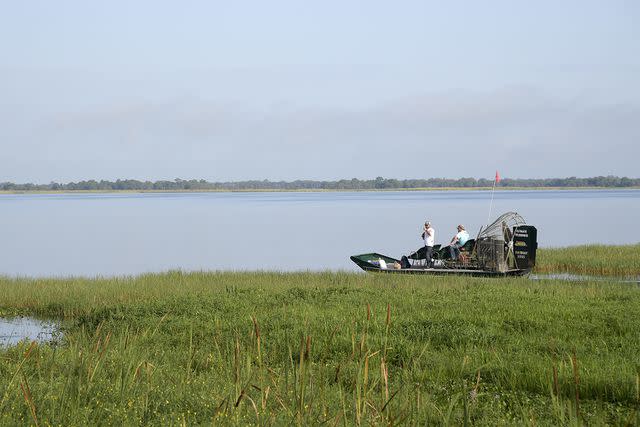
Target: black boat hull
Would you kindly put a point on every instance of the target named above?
(367, 262)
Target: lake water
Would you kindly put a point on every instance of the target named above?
(116, 234)
(16, 329)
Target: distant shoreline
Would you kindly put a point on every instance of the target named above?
(275, 190)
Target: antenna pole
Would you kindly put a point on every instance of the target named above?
(491, 205)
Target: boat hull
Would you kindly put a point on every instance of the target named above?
(367, 262)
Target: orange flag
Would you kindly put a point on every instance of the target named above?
(497, 177)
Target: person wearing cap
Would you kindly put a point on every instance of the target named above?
(457, 242)
(429, 237)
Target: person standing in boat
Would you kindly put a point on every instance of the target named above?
(457, 242)
(429, 237)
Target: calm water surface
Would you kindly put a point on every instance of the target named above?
(116, 234)
(16, 329)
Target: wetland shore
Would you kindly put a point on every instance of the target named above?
(331, 347)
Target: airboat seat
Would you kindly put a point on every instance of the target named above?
(466, 250)
(421, 253)
(443, 252)
(468, 246)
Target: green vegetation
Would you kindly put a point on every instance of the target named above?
(334, 348)
(598, 260)
(379, 183)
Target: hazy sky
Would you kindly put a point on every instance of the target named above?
(290, 90)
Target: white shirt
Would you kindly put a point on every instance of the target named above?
(429, 236)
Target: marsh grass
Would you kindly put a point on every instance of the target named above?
(333, 348)
(597, 260)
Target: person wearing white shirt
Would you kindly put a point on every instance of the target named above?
(429, 237)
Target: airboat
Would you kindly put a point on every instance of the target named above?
(507, 247)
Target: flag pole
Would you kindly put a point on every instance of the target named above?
(492, 191)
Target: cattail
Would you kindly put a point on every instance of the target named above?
(256, 330)
(366, 372)
(307, 350)
(236, 362)
(30, 349)
(136, 375)
(477, 382)
(28, 398)
(576, 380)
(385, 375)
(388, 322)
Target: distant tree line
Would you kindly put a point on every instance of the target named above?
(379, 183)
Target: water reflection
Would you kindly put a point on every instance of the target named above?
(14, 330)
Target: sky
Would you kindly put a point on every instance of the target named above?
(286, 90)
